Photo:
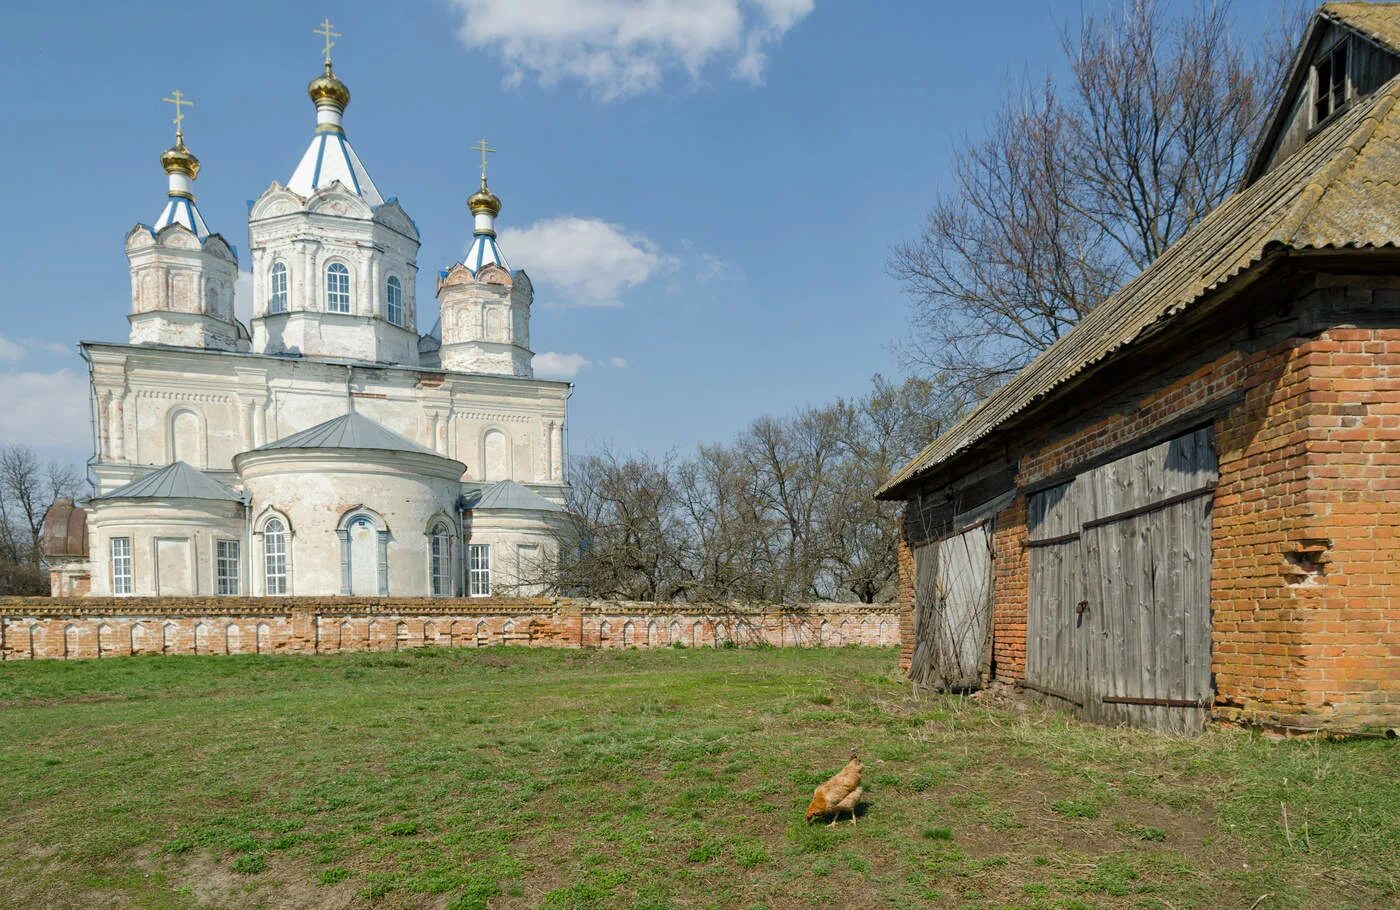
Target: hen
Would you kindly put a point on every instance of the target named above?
(839, 794)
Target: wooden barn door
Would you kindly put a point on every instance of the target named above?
(1054, 620)
(1119, 619)
(953, 609)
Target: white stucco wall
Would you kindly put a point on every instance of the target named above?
(316, 490)
(184, 532)
(241, 401)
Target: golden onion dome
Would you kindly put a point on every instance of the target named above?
(327, 86)
(483, 200)
(179, 160)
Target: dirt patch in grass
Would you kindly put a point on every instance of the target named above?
(285, 884)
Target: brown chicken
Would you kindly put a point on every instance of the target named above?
(839, 794)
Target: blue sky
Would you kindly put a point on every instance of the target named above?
(705, 195)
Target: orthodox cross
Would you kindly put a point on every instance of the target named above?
(325, 32)
(485, 150)
(178, 99)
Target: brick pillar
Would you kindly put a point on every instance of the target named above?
(905, 599)
(1010, 590)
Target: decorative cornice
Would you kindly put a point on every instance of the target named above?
(207, 397)
(493, 416)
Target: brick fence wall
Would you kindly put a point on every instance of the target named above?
(86, 627)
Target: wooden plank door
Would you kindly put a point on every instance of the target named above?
(953, 609)
(1146, 548)
(1054, 654)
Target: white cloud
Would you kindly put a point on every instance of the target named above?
(243, 297)
(9, 351)
(554, 365)
(619, 48)
(50, 347)
(583, 261)
(45, 409)
(13, 350)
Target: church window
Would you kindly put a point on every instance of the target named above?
(1330, 90)
(275, 557)
(121, 565)
(393, 298)
(440, 559)
(337, 288)
(226, 567)
(278, 302)
(479, 570)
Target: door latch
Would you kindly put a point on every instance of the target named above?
(1081, 607)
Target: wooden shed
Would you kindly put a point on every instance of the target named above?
(1188, 508)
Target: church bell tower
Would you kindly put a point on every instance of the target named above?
(485, 306)
(182, 276)
(335, 264)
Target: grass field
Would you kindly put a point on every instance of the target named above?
(676, 778)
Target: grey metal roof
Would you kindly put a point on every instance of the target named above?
(176, 480)
(348, 431)
(507, 494)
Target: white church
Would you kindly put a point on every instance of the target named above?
(328, 448)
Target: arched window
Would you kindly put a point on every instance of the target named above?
(278, 301)
(337, 288)
(440, 559)
(393, 300)
(275, 557)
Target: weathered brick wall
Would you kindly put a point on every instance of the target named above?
(1260, 504)
(1355, 663)
(1208, 383)
(1010, 591)
(1305, 578)
(906, 604)
(77, 628)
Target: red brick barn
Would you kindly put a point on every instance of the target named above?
(1189, 507)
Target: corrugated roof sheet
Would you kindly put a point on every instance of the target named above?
(507, 494)
(1338, 190)
(176, 480)
(348, 431)
(1378, 21)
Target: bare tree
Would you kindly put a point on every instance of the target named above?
(1165, 114)
(1076, 187)
(782, 514)
(1009, 262)
(626, 541)
(28, 486)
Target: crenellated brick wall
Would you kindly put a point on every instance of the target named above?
(78, 628)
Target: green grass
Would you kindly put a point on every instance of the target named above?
(573, 779)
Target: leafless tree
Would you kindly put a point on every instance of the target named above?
(627, 540)
(1009, 262)
(1076, 187)
(782, 514)
(28, 486)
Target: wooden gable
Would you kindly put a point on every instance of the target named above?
(1336, 64)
